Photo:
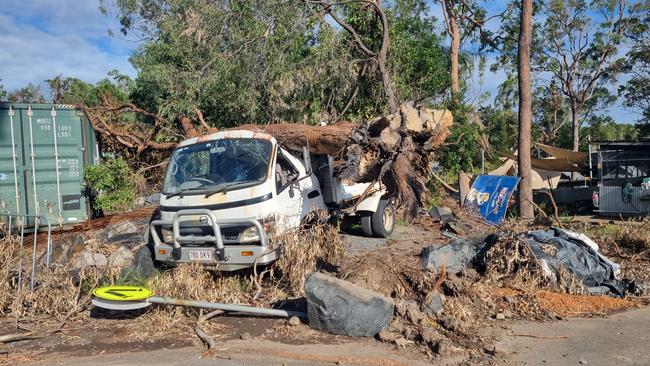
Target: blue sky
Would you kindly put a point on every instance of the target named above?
(40, 39)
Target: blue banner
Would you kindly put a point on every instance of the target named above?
(489, 196)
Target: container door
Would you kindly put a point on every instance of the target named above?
(12, 178)
(57, 160)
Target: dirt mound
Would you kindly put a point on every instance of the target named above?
(575, 305)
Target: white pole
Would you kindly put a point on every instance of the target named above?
(31, 143)
(56, 164)
(14, 156)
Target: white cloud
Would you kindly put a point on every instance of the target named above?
(40, 39)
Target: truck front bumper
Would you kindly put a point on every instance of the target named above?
(210, 250)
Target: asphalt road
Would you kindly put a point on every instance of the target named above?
(620, 339)
(253, 353)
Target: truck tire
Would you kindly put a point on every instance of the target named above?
(383, 219)
(366, 224)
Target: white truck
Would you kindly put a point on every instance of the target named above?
(224, 193)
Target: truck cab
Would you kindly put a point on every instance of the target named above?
(224, 193)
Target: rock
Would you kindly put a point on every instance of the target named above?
(402, 342)
(340, 307)
(78, 245)
(61, 254)
(90, 259)
(386, 336)
(494, 351)
(444, 347)
(583, 362)
(507, 313)
(413, 313)
(245, 336)
(435, 303)
(122, 257)
(142, 265)
(500, 316)
(294, 321)
(410, 334)
(430, 336)
(452, 324)
(454, 256)
(409, 310)
(441, 214)
(100, 260)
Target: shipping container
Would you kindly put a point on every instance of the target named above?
(44, 149)
(623, 169)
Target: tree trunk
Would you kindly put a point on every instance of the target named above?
(382, 59)
(576, 127)
(525, 111)
(393, 106)
(455, 47)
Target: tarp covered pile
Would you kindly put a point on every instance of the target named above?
(554, 250)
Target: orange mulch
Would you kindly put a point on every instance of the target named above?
(573, 305)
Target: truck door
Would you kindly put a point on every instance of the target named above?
(293, 194)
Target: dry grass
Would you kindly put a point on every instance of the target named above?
(55, 292)
(634, 239)
(305, 249)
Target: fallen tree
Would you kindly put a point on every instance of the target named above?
(396, 149)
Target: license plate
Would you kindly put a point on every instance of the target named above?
(200, 255)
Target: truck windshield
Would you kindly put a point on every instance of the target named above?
(217, 165)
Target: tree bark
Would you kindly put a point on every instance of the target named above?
(382, 59)
(454, 32)
(525, 112)
(576, 127)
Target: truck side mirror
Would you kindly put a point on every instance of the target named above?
(306, 160)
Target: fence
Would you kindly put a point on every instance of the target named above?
(16, 228)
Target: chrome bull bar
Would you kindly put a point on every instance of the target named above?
(215, 224)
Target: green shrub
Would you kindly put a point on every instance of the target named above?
(114, 184)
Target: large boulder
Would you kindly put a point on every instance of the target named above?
(90, 259)
(143, 266)
(341, 307)
(121, 257)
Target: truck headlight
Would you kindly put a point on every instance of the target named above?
(250, 234)
(167, 235)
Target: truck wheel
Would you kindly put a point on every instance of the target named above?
(383, 220)
(366, 224)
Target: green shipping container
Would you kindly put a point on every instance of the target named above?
(44, 149)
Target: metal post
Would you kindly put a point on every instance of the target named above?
(31, 143)
(31, 282)
(56, 165)
(14, 157)
(591, 174)
(225, 307)
(482, 161)
(49, 242)
(20, 253)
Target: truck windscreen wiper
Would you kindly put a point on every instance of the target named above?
(224, 187)
(183, 191)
